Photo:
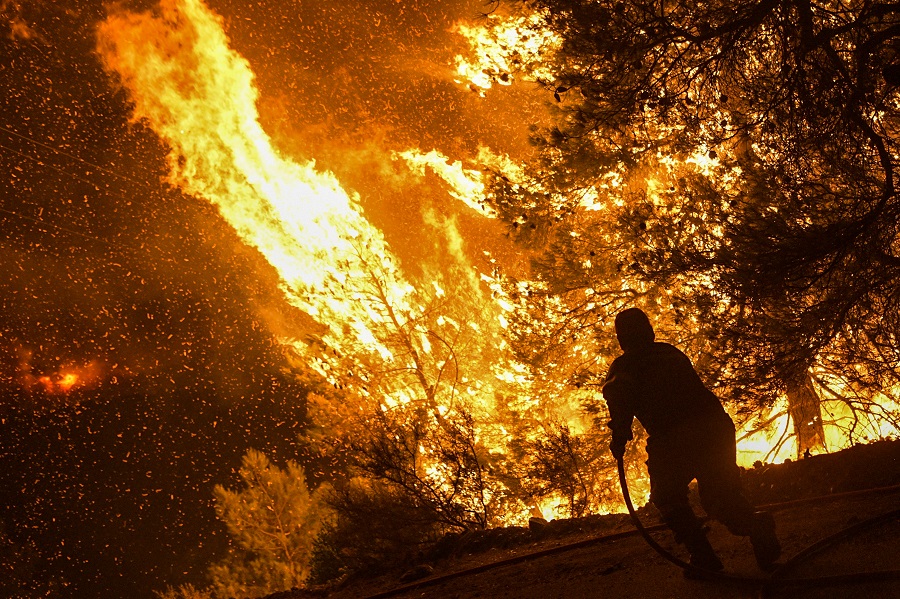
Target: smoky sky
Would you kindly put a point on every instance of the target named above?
(109, 487)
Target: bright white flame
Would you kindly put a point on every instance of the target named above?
(465, 184)
(505, 47)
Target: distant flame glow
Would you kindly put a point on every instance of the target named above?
(843, 427)
(67, 379)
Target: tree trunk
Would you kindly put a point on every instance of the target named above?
(806, 414)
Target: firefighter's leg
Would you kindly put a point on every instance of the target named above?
(766, 547)
(669, 493)
(722, 497)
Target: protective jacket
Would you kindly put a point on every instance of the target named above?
(657, 384)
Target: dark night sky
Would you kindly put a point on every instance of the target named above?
(104, 264)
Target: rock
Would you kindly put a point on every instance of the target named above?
(537, 525)
(420, 571)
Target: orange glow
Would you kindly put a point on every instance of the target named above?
(774, 442)
(465, 184)
(387, 341)
(199, 96)
(765, 444)
(67, 381)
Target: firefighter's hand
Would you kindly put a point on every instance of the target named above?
(617, 449)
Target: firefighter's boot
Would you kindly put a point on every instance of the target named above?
(766, 547)
(702, 554)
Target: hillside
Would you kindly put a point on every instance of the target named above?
(600, 556)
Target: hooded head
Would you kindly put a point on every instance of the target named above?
(633, 329)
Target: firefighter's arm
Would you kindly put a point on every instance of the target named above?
(621, 417)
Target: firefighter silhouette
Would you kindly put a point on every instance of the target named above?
(689, 436)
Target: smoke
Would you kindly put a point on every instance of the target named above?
(15, 22)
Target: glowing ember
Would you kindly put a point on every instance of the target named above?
(67, 381)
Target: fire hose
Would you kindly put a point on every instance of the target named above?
(767, 584)
(764, 585)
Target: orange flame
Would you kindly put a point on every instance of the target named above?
(199, 96)
(465, 184)
(504, 48)
(394, 344)
(843, 426)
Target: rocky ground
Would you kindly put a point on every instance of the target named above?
(600, 556)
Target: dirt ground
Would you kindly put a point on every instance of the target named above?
(602, 557)
(628, 568)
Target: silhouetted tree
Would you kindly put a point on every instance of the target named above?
(273, 522)
(563, 464)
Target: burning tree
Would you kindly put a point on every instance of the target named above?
(411, 370)
(417, 428)
(731, 167)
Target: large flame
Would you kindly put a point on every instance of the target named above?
(198, 95)
(438, 345)
(391, 342)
